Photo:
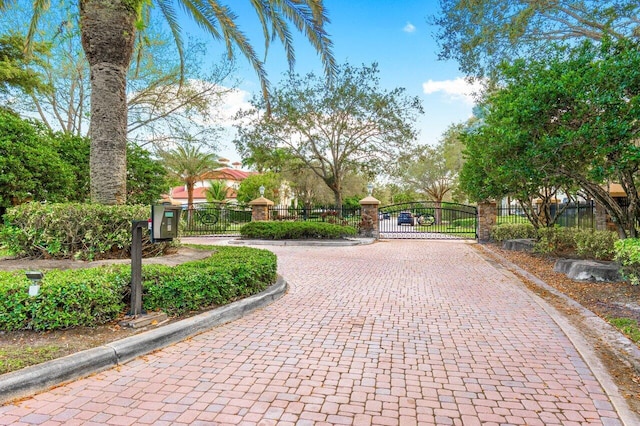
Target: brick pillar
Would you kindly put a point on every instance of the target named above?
(370, 210)
(487, 218)
(260, 209)
(601, 216)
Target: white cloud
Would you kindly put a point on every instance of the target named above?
(409, 28)
(455, 90)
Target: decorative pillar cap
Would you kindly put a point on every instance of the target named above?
(369, 201)
(261, 201)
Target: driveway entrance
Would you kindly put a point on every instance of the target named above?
(428, 220)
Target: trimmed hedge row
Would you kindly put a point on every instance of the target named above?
(89, 297)
(295, 230)
(585, 243)
(74, 231)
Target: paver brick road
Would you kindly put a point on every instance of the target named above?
(394, 333)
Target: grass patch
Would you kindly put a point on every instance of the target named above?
(629, 327)
(12, 359)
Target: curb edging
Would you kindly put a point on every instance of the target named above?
(40, 377)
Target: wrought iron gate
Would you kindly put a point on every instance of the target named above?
(428, 220)
(214, 219)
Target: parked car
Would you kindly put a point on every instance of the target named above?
(384, 216)
(406, 218)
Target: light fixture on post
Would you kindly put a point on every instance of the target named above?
(370, 189)
(261, 189)
(35, 277)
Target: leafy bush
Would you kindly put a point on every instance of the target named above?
(74, 230)
(555, 241)
(66, 299)
(295, 230)
(584, 243)
(592, 244)
(628, 255)
(89, 297)
(231, 273)
(512, 231)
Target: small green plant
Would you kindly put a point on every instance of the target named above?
(629, 327)
(593, 244)
(555, 241)
(512, 231)
(295, 230)
(628, 255)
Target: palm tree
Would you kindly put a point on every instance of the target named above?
(187, 163)
(108, 31)
(217, 191)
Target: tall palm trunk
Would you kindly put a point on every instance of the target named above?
(108, 33)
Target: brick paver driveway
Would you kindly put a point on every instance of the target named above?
(394, 333)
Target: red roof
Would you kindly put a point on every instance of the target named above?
(179, 193)
(229, 174)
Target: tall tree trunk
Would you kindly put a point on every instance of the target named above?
(108, 33)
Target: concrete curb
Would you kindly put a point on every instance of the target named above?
(308, 243)
(610, 334)
(37, 378)
(625, 348)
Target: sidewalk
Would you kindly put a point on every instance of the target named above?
(393, 333)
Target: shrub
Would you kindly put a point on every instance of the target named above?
(231, 273)
(295, 230)
(628, 255)
(512, 231)
(584, 243)
(555, 241)
(74, 230)
(89, 297)
(592, 244)
(67, 298)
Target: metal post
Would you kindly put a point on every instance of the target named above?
(136, 266)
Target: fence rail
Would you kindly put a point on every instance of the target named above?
(576, 215)
(347, 216)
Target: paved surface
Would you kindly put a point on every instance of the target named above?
(394, 333)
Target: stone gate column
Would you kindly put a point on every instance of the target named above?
(370, 213)
(487, 219)
(260, 209)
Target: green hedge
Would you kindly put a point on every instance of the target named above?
(628, 255)
(295, 230)
(74, 231)
(512, 231)
(584, 243)
(67, 298)
(89, 297)
(232, 273)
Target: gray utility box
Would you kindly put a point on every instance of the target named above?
(165, 221)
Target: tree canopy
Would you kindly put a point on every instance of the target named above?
(108, 35)
(481, 34)
(349, 126)
(569, 121)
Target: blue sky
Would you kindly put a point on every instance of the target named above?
(393, 33)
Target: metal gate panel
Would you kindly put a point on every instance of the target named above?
(428, 220)
(214, 219)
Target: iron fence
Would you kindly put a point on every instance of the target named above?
(345, 216)
(575, 215)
